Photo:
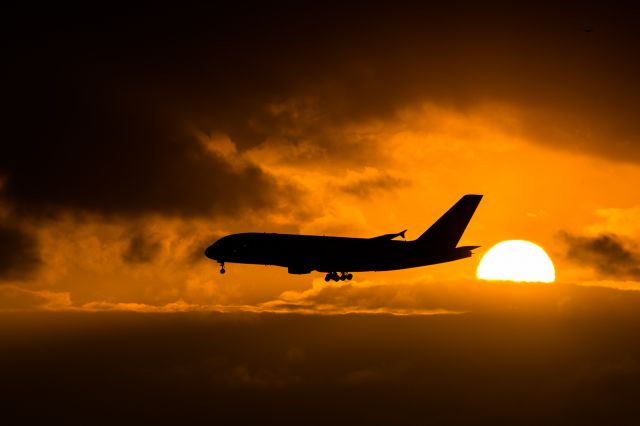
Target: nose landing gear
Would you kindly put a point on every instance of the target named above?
(222, 271)
(335, 277)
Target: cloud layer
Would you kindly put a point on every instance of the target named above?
(349, 369)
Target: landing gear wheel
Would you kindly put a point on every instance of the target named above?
(349, 277)
(222, 271)
(333, 276)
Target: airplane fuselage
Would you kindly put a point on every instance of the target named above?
(302, 254)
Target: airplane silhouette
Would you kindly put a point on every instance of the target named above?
(302, 254)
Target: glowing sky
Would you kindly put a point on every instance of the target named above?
(134, 138)
(135, 141)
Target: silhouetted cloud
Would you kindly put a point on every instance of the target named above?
(17, 298)
(538, 368)
(142, 249)
(607, 254)
(369, 186)
(19, 253)
(443, 298)
(104, 111)
(104, 160)
(100, 125)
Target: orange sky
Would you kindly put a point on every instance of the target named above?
(111, 192)
(133, 139)
(427, 156)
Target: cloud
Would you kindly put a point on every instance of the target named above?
(608, 254)
(378, 369)
(415, 299)
(446, 298)
(106, 162)
(621, 221)
(142, 249)
(19, 253)
(369, 186)
(177, 306)
(15, 298)
(364, 298)
(104, 117)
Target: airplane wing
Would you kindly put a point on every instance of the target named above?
(389, 236)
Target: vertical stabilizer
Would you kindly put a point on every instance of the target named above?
(448, 230)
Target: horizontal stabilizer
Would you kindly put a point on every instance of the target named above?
(448, 230)
(389, 236)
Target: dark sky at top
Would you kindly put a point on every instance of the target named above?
(102, 109)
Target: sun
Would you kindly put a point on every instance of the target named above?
(516, 260)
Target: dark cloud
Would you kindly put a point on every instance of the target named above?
(142, 249)
(106, 160)
(104, 119)
(428, 298)
(607, 254)
(369, 186)
(350, 369)
(103, 108)
(15, 298)
(19, 253)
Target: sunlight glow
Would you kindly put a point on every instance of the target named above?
(516, 260)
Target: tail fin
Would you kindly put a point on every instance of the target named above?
(448, 230)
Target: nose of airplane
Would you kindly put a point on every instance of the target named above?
(211, 252)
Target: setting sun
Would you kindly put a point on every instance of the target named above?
(516, 260)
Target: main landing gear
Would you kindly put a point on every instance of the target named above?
(335, 277)
(222, 271)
